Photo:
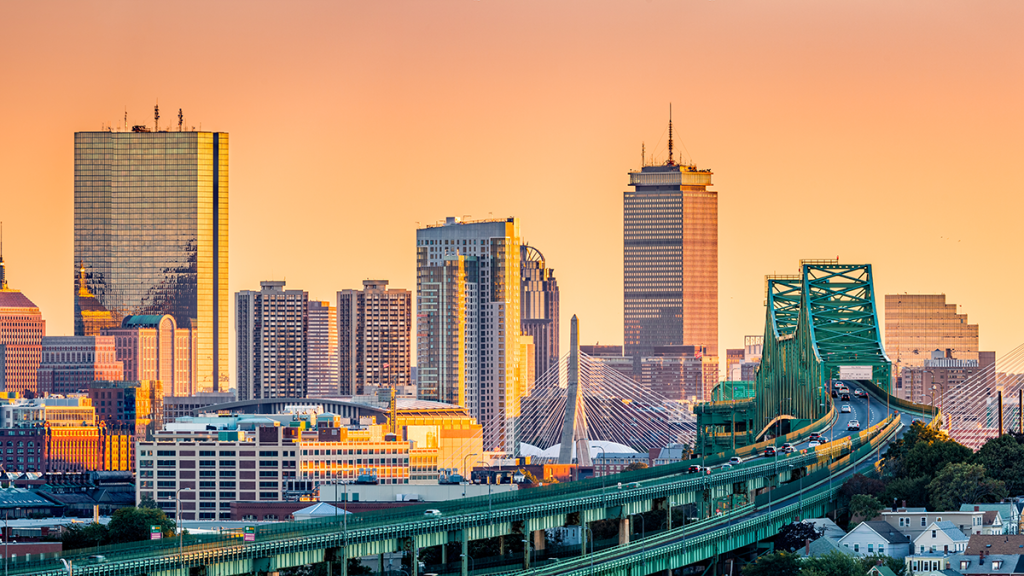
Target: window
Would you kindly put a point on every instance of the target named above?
(871, 548)
(997, 564)
(207, 484)
(226, 473)
(933, 533)
(964, 565)
(207, 453)
(165, 452)
(856, 547)
(881, 549)
(922, 522)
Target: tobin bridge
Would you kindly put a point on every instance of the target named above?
(817, 323)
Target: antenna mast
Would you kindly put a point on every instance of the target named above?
(156, 118)
(181, 119)
(125, 117)
(671, 157)
(643, 154)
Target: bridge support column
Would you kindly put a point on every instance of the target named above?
(465, 554)
(583, 536)
(414, 564)
(623, 531)
(526, 552)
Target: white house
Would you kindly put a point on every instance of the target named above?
(935, 545)
(1008, 513)
(876, 537)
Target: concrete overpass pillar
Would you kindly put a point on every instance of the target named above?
(623, 531)
(526, 553)
(465, 554)
(414, 565)
(539, 540)
(583, 536)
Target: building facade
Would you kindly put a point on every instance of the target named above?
(56, 435)
(151, 231)
(21, 338)
(322, 350)
(943, 377)
(70, 364)
(917, 324)
(91, 317)
(468, 348)
(670, 267)
(539, 308)
(153, 347)
(374, 337)
(271, 337)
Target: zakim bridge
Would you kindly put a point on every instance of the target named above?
(818, 322)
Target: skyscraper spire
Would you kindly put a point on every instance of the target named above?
(671, 157)
(83, 290)
(3, 269)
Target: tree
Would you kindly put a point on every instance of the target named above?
(913, 491)
(1003, 459)
(148, 502)
(133, 525)
(793, 536)
(865, 506)
(635, 466)
(833, 564)
(774, 564)
(356, 568)
(961, 483)
(897, 566)
(83, 536)
(922, 451)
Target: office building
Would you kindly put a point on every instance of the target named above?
(153, 347)
(917, 324)
(21, 338)
(135, 408)
(271, 333)
(322, 350)
(679, 373)
(468, 348)
(539, 309)
(151, 232)
(374, 337)
(943, 375)
(70, 364)
(670, 267)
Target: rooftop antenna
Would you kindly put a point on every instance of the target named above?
(671, 158)
(156, 118)
(643, 153)
(181, 119)
(125, 117)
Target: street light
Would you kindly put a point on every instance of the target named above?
(471, 562)
(181, 527)
(604, 456)
(465, 473)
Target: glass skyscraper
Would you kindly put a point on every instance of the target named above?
(670, 268)
(151, 231)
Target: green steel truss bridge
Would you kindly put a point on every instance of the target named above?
(817, 322)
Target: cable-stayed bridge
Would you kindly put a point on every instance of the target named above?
(818, 322)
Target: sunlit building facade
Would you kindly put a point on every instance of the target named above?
(539, 309)
(271, 335)
(670, 246)
(918, 324)
(70, 364)
(153, 347)
(468, 348)
(322, 350)
(21, 338)
(374, 337)
(151, 232)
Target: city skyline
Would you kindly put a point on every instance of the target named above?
(823, 134)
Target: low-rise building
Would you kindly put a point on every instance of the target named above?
(914, 521)
(70, 364)
(993, 554)
(876, 537)
(1008, 512)
(933, 547)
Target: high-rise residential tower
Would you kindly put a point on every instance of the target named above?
(670, 251)
(468, 345)
(539, 308)
(322, 350)
(271, 333)
(21, 338)
(151, 232)
(374, 337)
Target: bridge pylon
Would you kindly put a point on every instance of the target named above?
(574, 425)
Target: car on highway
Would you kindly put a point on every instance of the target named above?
(845, 409)
(853, 425)
(725, 467)
(860, 393)
(844, 397)
(735, 460)
(431, 513)
(815, 436)
(769, 451)
(788, 448)
(813, 444)
(695, 468)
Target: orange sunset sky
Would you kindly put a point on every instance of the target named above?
(880, 131)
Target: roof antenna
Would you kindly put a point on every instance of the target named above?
(181, 119)
(156, 117)
(643, 154)
(671, 157)
(125, 117)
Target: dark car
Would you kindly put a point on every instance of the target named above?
(835, 394)
(769, 451)
(814, 437)
(845, 398)
(693, 468)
